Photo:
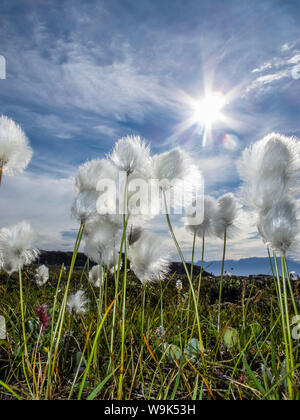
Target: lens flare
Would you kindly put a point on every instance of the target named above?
(208, 110)
(231, 142)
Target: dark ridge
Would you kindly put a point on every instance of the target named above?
(57, 258)
(178, 268)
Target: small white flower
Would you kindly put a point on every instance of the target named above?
(96, 276)
(160, 331)
(77, 303)
(15, 152)
(179, 285)
(16, 247)
(42, 275)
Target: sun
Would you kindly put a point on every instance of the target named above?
(209, 109)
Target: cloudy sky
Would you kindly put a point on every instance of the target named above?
(81, 74)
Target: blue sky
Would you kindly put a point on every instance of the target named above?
(80, 74)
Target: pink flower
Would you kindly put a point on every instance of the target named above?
(44, 318)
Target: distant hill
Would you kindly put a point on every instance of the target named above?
(246, 266)
(57, 258)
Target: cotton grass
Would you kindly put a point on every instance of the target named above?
(77, 303)
(270, 171)
(41, 275)
(15, 152)
(149, 258)
(16, 247)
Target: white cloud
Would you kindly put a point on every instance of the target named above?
(106, 130)
(219, 169)
(269, 79)
(120, 90)
(262, 68)
(278, 69)
(44, 202)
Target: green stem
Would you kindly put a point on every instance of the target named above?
(202, 263)
(117, 278)
(289, 334)
(188, 276)
(221, 282)
(200, 281)
(143, 312)
(23, 318)
(290, 288)
(125, 222)
(193, 255)
(58, 330)
(284, 331)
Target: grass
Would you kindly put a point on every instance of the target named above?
(246, 360)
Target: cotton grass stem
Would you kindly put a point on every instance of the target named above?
(58, 330)
(290, 288)
(193, 255)
(188, 276)
(287, 315)
(284, 330)
(200, 279)
(117, 278)
(221, 283)
(124, 240)
(95, 343)
(202, 263)
(23, 320)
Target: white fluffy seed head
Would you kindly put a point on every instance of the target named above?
(102, 244)
(41, 275)
(178, 176)
(77, 303)
(269, 169)
(279, 226)
(131, 154)
(84, 206)
(16, 247)
(90, 173)
(149, 258)
(174, 165)
(226, 216)
(15, 152)
(207, 212)
(96, 276)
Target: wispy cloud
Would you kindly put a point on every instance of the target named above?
(279, 68)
